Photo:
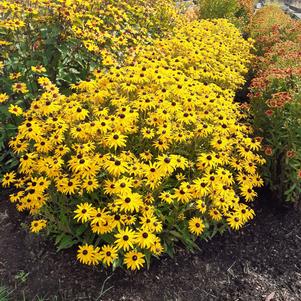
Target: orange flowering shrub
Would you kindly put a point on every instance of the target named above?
(143, 155)
(271, 25)
(276, 107)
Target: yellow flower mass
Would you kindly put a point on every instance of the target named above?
(144, 149)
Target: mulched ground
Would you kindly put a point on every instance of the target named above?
(262, 262)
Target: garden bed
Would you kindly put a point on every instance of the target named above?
(250, 265)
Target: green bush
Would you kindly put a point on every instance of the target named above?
(239, 12)
(217, 9)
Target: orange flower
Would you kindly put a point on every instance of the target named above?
(269, 112)
(268, 151)
(290, 154)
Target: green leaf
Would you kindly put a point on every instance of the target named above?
(11, 127)
(176, 234)
(66, 242)
(108, 238)
(58, 238)
(80, 230)
(148, 259)
(117, 263)
(169, 249)
(290, 190)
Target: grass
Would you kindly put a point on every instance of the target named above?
(4, 293)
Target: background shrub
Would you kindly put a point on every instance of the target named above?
(271, 25)
(275, 103)
(144, 155)
(239, 12)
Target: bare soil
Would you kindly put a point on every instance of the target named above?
(261, 262)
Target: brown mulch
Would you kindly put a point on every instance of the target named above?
(261, 262)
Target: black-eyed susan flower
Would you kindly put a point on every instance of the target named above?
(108, 254)
(115, 140)
(130, 202)
(215, 214)
(3, 97)
(38, 69)
(248, 193)
(125, 239)
(166, 197)
(235, 221)
(144, 239)
(115, 166)
(89, 255)
(196, 226)
(38, 225)
(8, 179)
(182, 194)
(15, 109)
(134, 260)
(90, 184)
(84, 212)
(156, 248)
(20, 88)
(201, 206)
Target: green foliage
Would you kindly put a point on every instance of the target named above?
(4, 293)
(217, 8)
(239, 12)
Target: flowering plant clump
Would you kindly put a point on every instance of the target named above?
(65, 40)
(239, 12)
(271, 25)
(276, 107)
(144, 155)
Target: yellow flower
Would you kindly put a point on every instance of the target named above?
(15, 109)
(83, 212)
(215, 214)
(115, 140)
(3, 97)
(196, 226)
(130, 202)
(14, 76)
(20, 88)
(38, 69)
(134, 260)
(108, 254)
(144, 239)
(89, 255)
(201, 206)
(125, 239)
(90, 184)
(166, 197)
(8, 178)
(235, 221)
(38, 225)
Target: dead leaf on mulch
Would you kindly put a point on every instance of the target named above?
(270, 297)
